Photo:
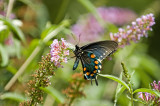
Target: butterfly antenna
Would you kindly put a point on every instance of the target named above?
(79, 39)
(96, 81)
(73, 36)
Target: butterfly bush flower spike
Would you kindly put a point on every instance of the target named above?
(149, 98)
(134, 32)
(41, 77)
(59, 52)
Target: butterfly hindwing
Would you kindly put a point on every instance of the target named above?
(91, 65)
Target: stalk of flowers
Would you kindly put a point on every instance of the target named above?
(134, 32)
(75, 89)
(149, 98)
(47, 66)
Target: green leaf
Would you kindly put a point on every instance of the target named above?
(120, 91)
(116, 79)
(4, 56)
(47, 31)
(147, 90)
(54, 93)
(13, 96)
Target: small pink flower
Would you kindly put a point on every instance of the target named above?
(141, 95)
(55, 58)
(55, 44)
(66, 52)
(65, 60)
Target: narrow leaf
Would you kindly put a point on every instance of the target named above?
(13, 96)
(120, 89)
(54, 93)
(116, 79)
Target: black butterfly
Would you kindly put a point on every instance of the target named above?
(91, 56)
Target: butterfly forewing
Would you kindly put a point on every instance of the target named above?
(101, 49)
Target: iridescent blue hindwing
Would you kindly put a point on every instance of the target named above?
(91, 65)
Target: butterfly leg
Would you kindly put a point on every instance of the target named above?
(96, 81)
(91, 81)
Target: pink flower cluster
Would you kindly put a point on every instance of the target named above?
(90, 29)
(146, 96)
(59, 52)
(134, 32)
(156, 86)
(151, 98)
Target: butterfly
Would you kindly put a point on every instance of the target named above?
(91, 56)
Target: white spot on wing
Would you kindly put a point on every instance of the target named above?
(99, 60)
(98, 71)
(100, 66)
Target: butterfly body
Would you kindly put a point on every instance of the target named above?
(91, 56)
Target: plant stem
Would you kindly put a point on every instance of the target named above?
(9, 9)
(72, 99)
(23, 67)
(131, 92)
(126, 74)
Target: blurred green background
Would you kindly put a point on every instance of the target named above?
(36, 15)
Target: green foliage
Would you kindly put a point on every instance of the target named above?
(116, 79)
(13, 96)
(54, 93)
